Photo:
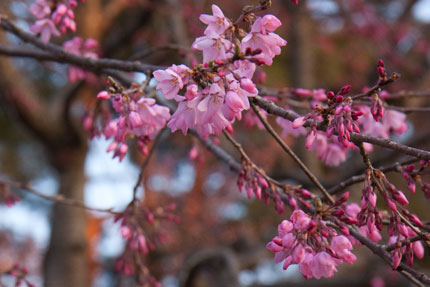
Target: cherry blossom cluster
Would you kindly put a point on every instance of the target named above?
(312, 244)
(216, 92)
(403, 224)
(407, 249)
(253, 182)
(135, 221)
(345, 117)
(87, 49)
(352, 211)
(139, 117)
(53, 16)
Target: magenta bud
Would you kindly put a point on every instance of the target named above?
(103, 95)
(345, 90)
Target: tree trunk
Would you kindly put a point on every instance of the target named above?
(66, 261)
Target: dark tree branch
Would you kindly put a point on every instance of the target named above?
(65, 57)
(272, 108)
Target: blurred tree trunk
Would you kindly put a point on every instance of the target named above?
(300, 44)
(66, 261)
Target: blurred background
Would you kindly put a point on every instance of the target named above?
(221, 238)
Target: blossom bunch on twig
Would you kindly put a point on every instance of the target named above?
(217, 91)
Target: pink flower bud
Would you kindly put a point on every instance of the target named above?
(400, 197)
(396, 257)
(414, 219)
(103, 95)
(299, 122)
(194, 153)
(125, 232)
(391, 205)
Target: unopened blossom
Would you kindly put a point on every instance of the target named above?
(217, 23)
(64, 18)
(46, 28)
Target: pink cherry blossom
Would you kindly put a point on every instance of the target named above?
(85, 48)
(140, 117)
(288, 129)
(306, 266)
(342, 247)
(300, 220)
(40, 9)
(46, 28)
(213, 46)
(323, 265)
(259, 39)
(217, 23)
(169, 82)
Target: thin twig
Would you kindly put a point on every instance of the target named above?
(55, 198)
(291, 153)
(359, 178)
(146, 162)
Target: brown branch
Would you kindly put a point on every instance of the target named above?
(64, 57)
(403, 242)
(245, 156)
(359, 178)
(272, 108)
(146, 162)
(418, 278)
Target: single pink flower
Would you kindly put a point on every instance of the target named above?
(40, 9)
(169, 82)
(323, 265)
(342, 247)
(268, 43)
(217, 23)
(306, 266)
(46, 28)
(213, 46)
(300, 220)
